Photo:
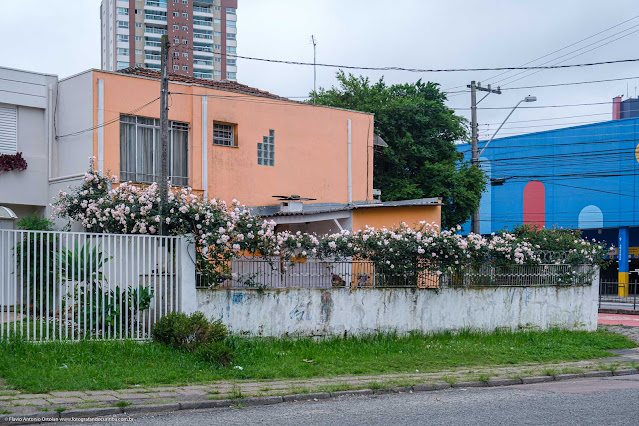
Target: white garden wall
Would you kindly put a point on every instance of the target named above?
(339, 311)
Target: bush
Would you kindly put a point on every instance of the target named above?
(35, 223)
(215, 353)
(188, 331)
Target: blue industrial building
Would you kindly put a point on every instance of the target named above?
(584, 177)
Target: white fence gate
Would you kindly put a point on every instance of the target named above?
(69, 285)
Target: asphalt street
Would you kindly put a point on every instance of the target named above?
(600, 401)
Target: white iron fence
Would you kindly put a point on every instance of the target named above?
(66, 285)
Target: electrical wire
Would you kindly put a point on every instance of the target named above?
(418, 70)
(115, 120)
(571, 57)
(558, 50)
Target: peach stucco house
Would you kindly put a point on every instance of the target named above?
(229, 141)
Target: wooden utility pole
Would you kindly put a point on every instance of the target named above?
(164, 131)
(474, 160)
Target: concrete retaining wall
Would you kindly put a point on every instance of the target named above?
(339, 311)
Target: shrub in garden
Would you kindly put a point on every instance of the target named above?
(223, 232)
(194, 333)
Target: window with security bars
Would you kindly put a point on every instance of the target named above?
(141, 150)
(266, 150)
(223, 134)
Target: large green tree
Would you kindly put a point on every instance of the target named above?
(421, 159)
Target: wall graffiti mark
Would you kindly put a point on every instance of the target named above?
(237, 299)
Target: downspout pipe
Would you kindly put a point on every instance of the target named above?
(350, 165)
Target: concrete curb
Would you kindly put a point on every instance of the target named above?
(271, 400)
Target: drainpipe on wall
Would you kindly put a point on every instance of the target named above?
(350, 159)
(100, 164)
(205, 156)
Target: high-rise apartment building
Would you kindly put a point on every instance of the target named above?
(200, 33)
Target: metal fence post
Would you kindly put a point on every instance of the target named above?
(186, 272)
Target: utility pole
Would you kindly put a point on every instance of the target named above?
(164, 131)
(314, 67)
(474, 160)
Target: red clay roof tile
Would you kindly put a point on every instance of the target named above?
(224, 84)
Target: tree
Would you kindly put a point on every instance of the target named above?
(421, 159)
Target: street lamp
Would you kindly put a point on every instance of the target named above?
(528, 98)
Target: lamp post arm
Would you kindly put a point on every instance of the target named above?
(499, 128)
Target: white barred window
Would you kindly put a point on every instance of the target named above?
(223, 134)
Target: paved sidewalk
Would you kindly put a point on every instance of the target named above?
(17, 403)
(619, 319)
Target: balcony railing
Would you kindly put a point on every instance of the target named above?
(203, 48)
(154, 30)
(202, 62)
(155, 3)
(155, 17)
(205, 75)
(204, 2)
(153, 57)
(202, 9)
(204, 36)
(203, 23)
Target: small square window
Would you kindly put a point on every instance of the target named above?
(185, 68)
(176, 27)
(185, 28)
(176, 67)
(185, 1)
(185, 42)
(176, 40)
(138, 25)
(176, 14)
(224, 134)
(138, 51)
(185, 54)
(138, 38)
(185, 15)
(176, 54)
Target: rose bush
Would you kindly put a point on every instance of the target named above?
(224, 231)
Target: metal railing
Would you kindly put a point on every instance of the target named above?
(155, 3)
(314, 273)
(71, 285)
(201, 9)
(611, 296)
(203, 23)
(153, 30)
(204, 36)
(520, 275)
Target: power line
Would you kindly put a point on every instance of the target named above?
(559, 50)
(574, 56)
(418, 70)
(115, 120)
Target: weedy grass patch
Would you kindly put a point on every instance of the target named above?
(97, 365)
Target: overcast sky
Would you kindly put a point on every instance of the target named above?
(63, 37)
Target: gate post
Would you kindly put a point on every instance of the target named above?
(188, 295)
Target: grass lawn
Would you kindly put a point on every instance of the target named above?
(90, 365)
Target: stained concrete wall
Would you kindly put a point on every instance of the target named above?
(313, 312)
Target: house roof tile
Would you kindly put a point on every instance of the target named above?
(213, 84)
